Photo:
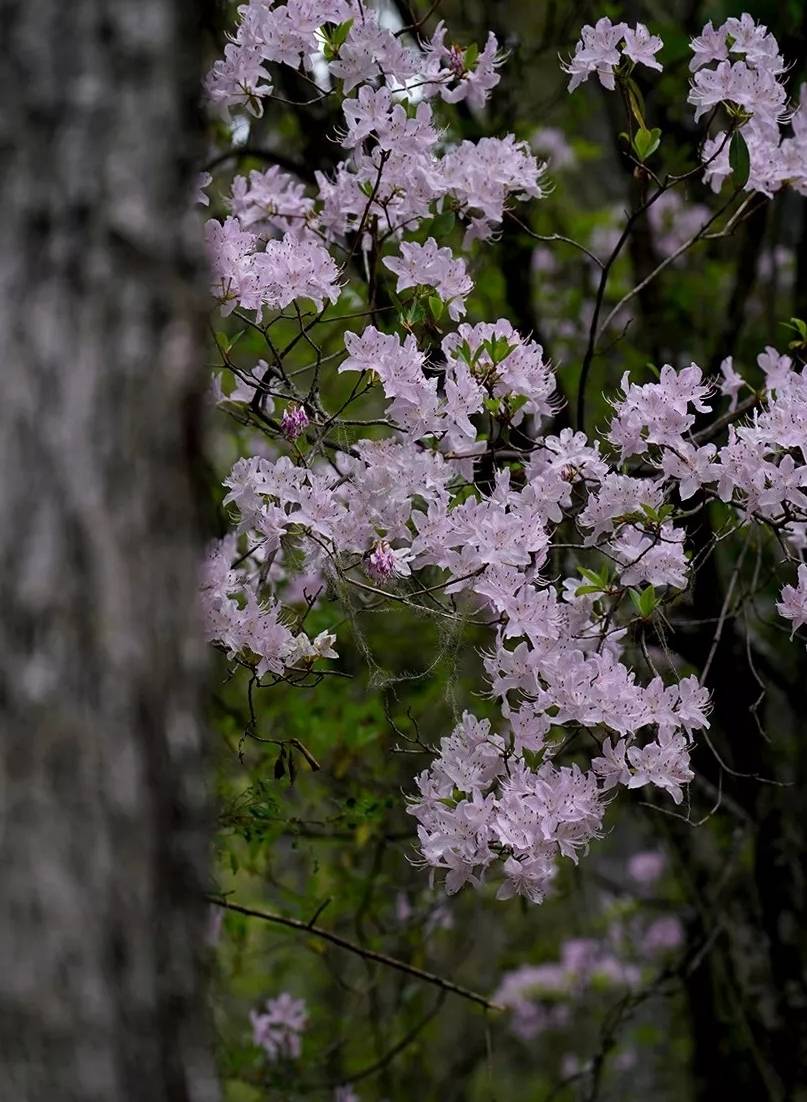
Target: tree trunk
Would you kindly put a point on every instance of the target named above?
(102, 836)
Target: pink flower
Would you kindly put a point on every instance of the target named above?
(663, 935)
(278, 1029)
(646, 867)
(641, 46)
(427, 264)
(793, 605)
(596, 52)
(664, 763)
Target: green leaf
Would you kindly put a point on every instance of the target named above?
(471, 54)
(533, 758)
(443, 223)
(648, 601)
(498, 348)
(646, 142)
(336, 39)
(598, 579)
(798, 326)
(644, 602)
(413, 314)
(636, 102)
(582, 590)
(436, 306)
(739, 159)
(464, 353)
(339, 34)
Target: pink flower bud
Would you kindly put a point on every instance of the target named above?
(294, 422)
(381, 561)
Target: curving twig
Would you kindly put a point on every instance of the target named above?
(351, 947)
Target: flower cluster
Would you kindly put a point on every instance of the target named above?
(738, 66)
(273, 277)
(248, 628)
(466, 502)
(394, 146)
(602, 47)
(432, 266)
(738, 76)
(278, 1028)
(549, 996)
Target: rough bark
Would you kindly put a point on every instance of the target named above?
(102, 837)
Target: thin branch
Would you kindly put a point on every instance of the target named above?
(351, 947)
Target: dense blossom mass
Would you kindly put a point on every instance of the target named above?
(466, 499)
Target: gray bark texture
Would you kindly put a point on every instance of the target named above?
(103, 837)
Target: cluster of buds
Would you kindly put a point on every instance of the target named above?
(380, 561)
(383, 561)
(294, 422)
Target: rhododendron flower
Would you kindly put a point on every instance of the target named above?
(272, 200)
(793, 605)
(777, 368)
(596, 52)
(600, 47)
(664, 763)
(641, 46)
(732, 382)
(746, 80)
(370, 52)
(449, 75)
(239, 79)
(278, 1028)
(434, 267)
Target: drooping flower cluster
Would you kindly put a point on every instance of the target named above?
(394, 144)
(738, 66)
(542, 996)
(473, 809)
(269, 278)
(468, 503)
(248, 628)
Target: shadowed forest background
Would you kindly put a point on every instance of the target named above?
(311, 820)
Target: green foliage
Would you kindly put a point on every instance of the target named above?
(739, 159)
(646, 142)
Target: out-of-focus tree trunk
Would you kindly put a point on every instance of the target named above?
(102, 836)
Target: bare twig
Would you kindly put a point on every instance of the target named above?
(351, 947)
